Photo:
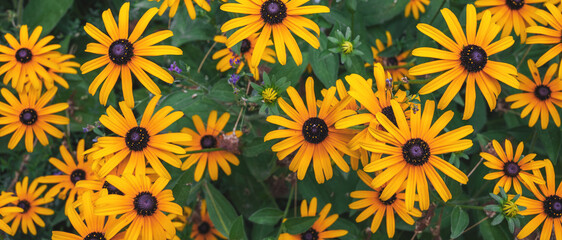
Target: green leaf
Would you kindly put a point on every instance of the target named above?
(299, 224)
(497, 220)
(182, 188)
(45, 13)
(384, 10)
(237, 231)
(266, 216)
(187, 30)
(459, 221)
(220, 210)
(325, 65)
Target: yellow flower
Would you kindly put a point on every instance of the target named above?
(512, 169)
(28, 200)
(72, 173)
(139, 144)
(378, 208)
(6, 198)
(204, 229)
(312, 133)
(319, 228)
(548, 35)
(415, 6)
(274, 17)
(26, 60)
(28, 115)
(206, 138)
(412, 152)
(228, 57)
(174, 4)
(514, 15)
(392, 64)
(269, 95)
(466, 60)
(547, 207)
(124, 53)
(539, 96)
(94, 226)
(141, 207)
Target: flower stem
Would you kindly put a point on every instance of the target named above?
(465, 206)
(291, 192)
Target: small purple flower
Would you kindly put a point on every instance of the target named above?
(233, 79)
(234, 61)
(95, 140)
(174, 68)
(58, 173)
(85, 129)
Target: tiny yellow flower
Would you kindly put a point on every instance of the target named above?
(269, 95)
(347, 47)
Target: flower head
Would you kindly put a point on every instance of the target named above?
(27, 59)
(30, 116)
(466, 59)
(123, 53)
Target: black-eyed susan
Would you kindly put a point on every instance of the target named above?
(26, 60)
(342, 93)
(29, 115)
(412, 151)
(547, 207)
(539, 96)
(124, 53)
(374, 102)
(466, 60)
(395, 65)
(319, 228)
(28, 200)
(180, 221)
(415, 7)
(514, 15)
(141, 207)
(312, 133)
(72, 172)
(6, 198)
(88, 225)
(228, 58)
(174, 5)
(274, 17)
(139, 144)
(378, 208)
(207, 138)
(549, 36)
(512, 169)
(203, 228)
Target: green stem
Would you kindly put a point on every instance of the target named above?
(533, 140)
(292, 191)
(187, 78)
(205, 150)
(19, 12)
(399, 66)
(476, 224)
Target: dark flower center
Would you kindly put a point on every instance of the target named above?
(137, 138)
(24, 204)
(23, 55)
(77, 175)
(310, 234)
(314, 130)
(204, 228)
(473, 58)
(145, 204)
(391, 61)
(208, 141)
(511, 169)
(553, 206)
(542, 92)
(112, 189)
(273, 11)
(95, 236)
(515, 4)
(121, 51)
(389, 201)
(416, 152)
(387, 111)
(245, 46)
(28, 116)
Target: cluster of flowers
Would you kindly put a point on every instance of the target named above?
(111, 193)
